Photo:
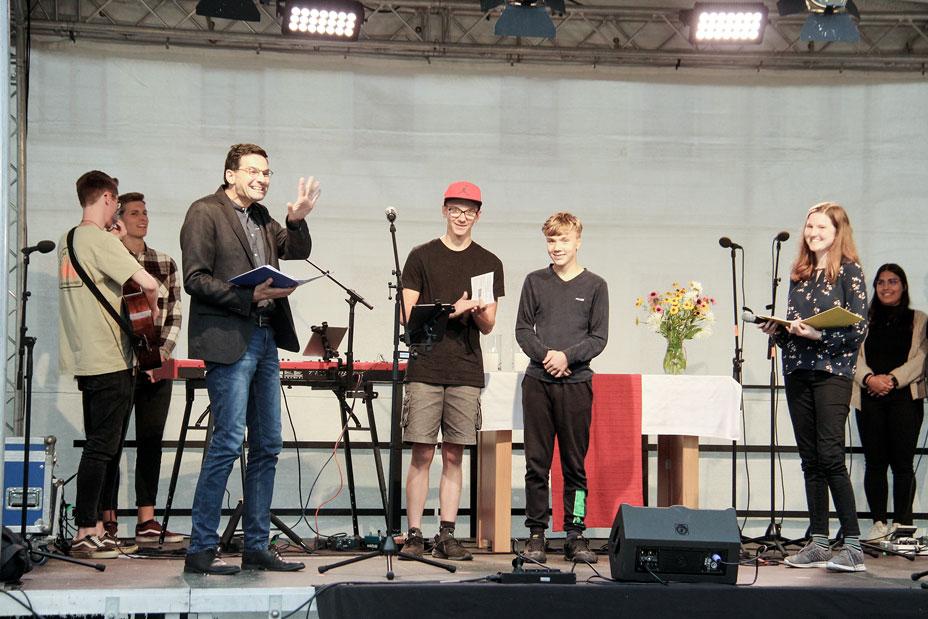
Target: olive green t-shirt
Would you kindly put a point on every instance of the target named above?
(90, 342)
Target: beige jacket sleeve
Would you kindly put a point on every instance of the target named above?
(910, 374)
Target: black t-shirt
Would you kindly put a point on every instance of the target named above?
(442, 275)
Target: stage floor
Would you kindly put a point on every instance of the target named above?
(158, 585)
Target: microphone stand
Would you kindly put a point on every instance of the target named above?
(394, 483)
(772, 534)
(736, 366)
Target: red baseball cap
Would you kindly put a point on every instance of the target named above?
(463, 190)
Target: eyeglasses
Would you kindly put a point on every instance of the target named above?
(254, 172)
(455, 212)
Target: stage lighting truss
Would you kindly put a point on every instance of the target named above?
(727, 23)
(338, 20)
(525, 18)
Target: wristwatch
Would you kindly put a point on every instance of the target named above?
(895, 382)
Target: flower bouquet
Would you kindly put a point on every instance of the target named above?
(678, 314)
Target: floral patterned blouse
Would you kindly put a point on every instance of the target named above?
(836, 352)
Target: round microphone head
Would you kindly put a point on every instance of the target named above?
(45, 246)
(783, 236)
(725, 242)
(390, 213)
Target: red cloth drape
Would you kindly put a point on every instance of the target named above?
(613, 462)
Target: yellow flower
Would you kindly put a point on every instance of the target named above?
(674, 310)
(639, 302)
(688, 305)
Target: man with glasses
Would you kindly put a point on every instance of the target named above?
(237, 332)
(444, 382)
(93, 349)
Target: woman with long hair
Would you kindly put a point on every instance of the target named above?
(889, 389)
(818, 366)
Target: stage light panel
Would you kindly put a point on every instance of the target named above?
(727, 23)
(334, 20)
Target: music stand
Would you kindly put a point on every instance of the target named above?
(427, 323)
(324, 341)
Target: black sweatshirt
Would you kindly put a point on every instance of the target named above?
(571, 316)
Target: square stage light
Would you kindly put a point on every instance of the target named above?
(727, 23)
(334, 20)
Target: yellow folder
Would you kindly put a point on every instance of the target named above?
(829, 319)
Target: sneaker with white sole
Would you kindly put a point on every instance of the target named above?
(114, 543)
(91, 547)
(812, 555)
(877, 533)
(149, 532)
(847, 560)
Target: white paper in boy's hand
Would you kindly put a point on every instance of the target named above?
(482, 288)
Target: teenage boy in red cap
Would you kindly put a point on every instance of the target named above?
(562, 324)
(444, 383)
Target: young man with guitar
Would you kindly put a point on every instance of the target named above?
(152, 398)
(95, 350)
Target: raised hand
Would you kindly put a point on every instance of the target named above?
(306, 195)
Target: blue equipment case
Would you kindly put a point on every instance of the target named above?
(41, 492)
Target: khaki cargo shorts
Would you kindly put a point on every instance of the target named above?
(455, 409)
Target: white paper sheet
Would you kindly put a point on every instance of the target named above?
(482, 288)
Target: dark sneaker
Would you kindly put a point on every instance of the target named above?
(413, 546)
(847, 560)
(208, 562)
(91, 547)
(149, 532)
(812, 555)
(447, 547)
(535, 548)
(577, 549)
(268, 560)
(120, 546)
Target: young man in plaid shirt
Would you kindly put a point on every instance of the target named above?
(152, 398)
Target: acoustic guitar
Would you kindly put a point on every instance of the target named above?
(142, 322)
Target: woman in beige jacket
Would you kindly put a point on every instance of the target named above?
(889, 387)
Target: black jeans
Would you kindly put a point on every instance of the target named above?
(152, 402)
(563, 410)
(107, 400)
(889, 434)
(819, 403)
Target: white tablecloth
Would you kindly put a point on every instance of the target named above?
(687, 405)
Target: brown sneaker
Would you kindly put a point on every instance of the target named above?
(577, 549)
(91, 547)
(149, 532)
(414, 545)
(122, 547)
(447, 547)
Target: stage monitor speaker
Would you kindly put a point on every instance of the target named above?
(675, 543)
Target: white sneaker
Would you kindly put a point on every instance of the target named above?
(877, 533)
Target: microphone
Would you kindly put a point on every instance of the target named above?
(43, 247)
(748, 316)
(782, 236)
(727, 242)
(390, 213)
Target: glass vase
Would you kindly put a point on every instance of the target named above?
(675, 357)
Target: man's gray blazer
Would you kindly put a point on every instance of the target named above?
(214, 249)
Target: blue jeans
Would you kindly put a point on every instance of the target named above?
(246, 392)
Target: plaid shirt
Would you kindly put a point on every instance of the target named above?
(163, 268)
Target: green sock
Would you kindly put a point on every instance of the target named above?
(822, 541)
(852, 541)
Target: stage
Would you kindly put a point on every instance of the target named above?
(134, 586)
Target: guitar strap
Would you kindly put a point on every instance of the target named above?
(136, 341)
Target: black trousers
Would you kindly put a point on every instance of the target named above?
(563, 410)
(152, 402)
(107, 400)
(889, 434)
(819, 403)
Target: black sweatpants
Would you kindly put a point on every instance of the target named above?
(819, 403)
(889, 434)
(563, 410)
